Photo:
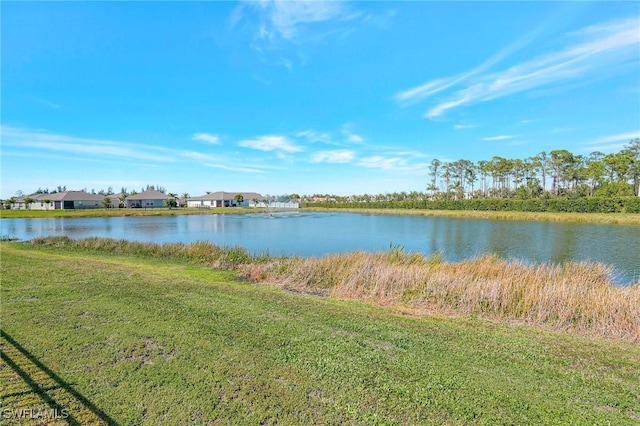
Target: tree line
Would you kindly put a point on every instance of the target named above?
(558, 173)
(553, 174)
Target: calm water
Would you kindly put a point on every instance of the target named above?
(316, 234)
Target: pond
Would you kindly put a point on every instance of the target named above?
(316, 234)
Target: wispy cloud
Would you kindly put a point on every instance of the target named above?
(271, 143)
(430, 88)
(498, 138)
(290, 20)
(392, 164)
(611, 143)
(347, 130)
(286, 18)
(333, 156)
(622, 137)
(314, 136)
(353, 138)
(65, 147)
(592, 51)
(207, 137)
(234, 168)
(75, 146)
(47, 103)
(464, 126)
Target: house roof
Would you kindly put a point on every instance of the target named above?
(151, 194)
(68, 196)
(222, 195)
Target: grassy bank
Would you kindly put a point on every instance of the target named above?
(604, 218)
(13, 214)
(579, 297)
(150, 338)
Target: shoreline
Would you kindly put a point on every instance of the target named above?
(591, 218)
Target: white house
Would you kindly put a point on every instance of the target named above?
(224, 199)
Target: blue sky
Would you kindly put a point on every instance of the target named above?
(305, 97)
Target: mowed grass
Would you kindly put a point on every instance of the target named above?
(137, 340)
(24, 213)
(604, 218)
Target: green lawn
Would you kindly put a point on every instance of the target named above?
(13, 214)
(133, 340)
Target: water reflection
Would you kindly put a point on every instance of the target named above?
(316, 234)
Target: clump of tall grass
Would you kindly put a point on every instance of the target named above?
(576, 296)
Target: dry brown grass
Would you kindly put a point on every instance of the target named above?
(577, 297)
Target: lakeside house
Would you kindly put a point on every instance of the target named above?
(147, 199)
(224, 199)
(61, 200)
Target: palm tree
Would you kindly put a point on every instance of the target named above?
(171, 200)
(106, 202)
(27, 202)
(122, 198)
(11, 202)
(46, 202)
(433, 172)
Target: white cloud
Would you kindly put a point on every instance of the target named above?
(392, 164)
(288, 16)
(286, 20)
(435, 86)
(611, 143)
(353, 138)
(334, 156)
(624, 137)
(270, 143)
(424, 91)
(464, 126)
(380, 162)
(47, 103)
(234, 168)
(207, 137)
(50, 145)
(314, 136)
(498, 138)
(75, 146)
(590, 52)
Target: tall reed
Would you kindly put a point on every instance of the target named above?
(575, 296)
